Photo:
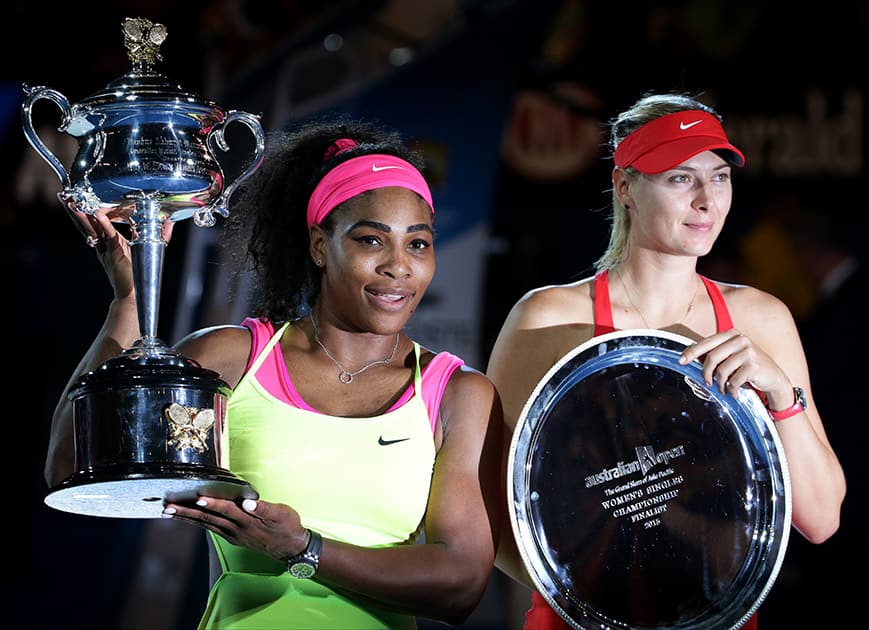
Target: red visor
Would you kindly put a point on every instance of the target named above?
(668, 141)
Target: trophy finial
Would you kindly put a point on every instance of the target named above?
(143, 38)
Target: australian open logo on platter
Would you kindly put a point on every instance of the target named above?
(647, 459)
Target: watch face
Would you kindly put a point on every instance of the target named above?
(302, 570)
(800, 395)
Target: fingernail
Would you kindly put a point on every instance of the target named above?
(249, 505)
(201, 502)
(168, 512)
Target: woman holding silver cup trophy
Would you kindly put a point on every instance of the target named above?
(661, 563)
(345, 475)
(359, 441)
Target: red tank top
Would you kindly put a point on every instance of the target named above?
(603, 310)
(541, 616)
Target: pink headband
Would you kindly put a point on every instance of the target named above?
(668, 141)
(360, 174)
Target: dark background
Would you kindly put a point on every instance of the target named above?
(790, 83)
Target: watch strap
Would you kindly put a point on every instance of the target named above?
(798, 407)
(305, 564)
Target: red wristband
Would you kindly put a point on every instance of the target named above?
(799, 406)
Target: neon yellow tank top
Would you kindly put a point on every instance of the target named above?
(363, 481)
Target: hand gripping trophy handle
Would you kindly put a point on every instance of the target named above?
(32, 95)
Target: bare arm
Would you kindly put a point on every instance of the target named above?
(224, 349)
(767, 354)
(539, 330)
(119, 330)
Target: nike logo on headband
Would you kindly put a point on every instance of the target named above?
(684, 126)
(377, 169)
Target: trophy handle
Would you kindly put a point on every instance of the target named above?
(205, 216)
(81, 198)
(35, 94)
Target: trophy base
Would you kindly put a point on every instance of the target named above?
(142, 493)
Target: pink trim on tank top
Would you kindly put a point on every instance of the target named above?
(273, 374)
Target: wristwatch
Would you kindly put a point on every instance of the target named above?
(799, 406)
(304, 565)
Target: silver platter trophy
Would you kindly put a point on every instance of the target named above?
(149, 424)
(641, 498)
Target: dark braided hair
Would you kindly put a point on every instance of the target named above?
(266, 231)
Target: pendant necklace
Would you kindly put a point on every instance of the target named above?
(345, 376)
(640, 313)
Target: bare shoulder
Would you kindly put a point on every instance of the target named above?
(554, 305)
(471, 402)
(205, 337)
(743, 298)
(542, 326)
(757, 312)
(467, 380)
(224, 349)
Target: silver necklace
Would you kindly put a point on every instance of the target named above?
(640, 313)
(345, 376)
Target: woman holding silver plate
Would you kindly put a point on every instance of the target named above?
(377, 461)
(672, 191)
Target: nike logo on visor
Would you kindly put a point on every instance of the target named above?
(684, 126)
(383, 442)
(377, 169)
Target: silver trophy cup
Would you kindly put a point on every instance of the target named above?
(149, 424)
